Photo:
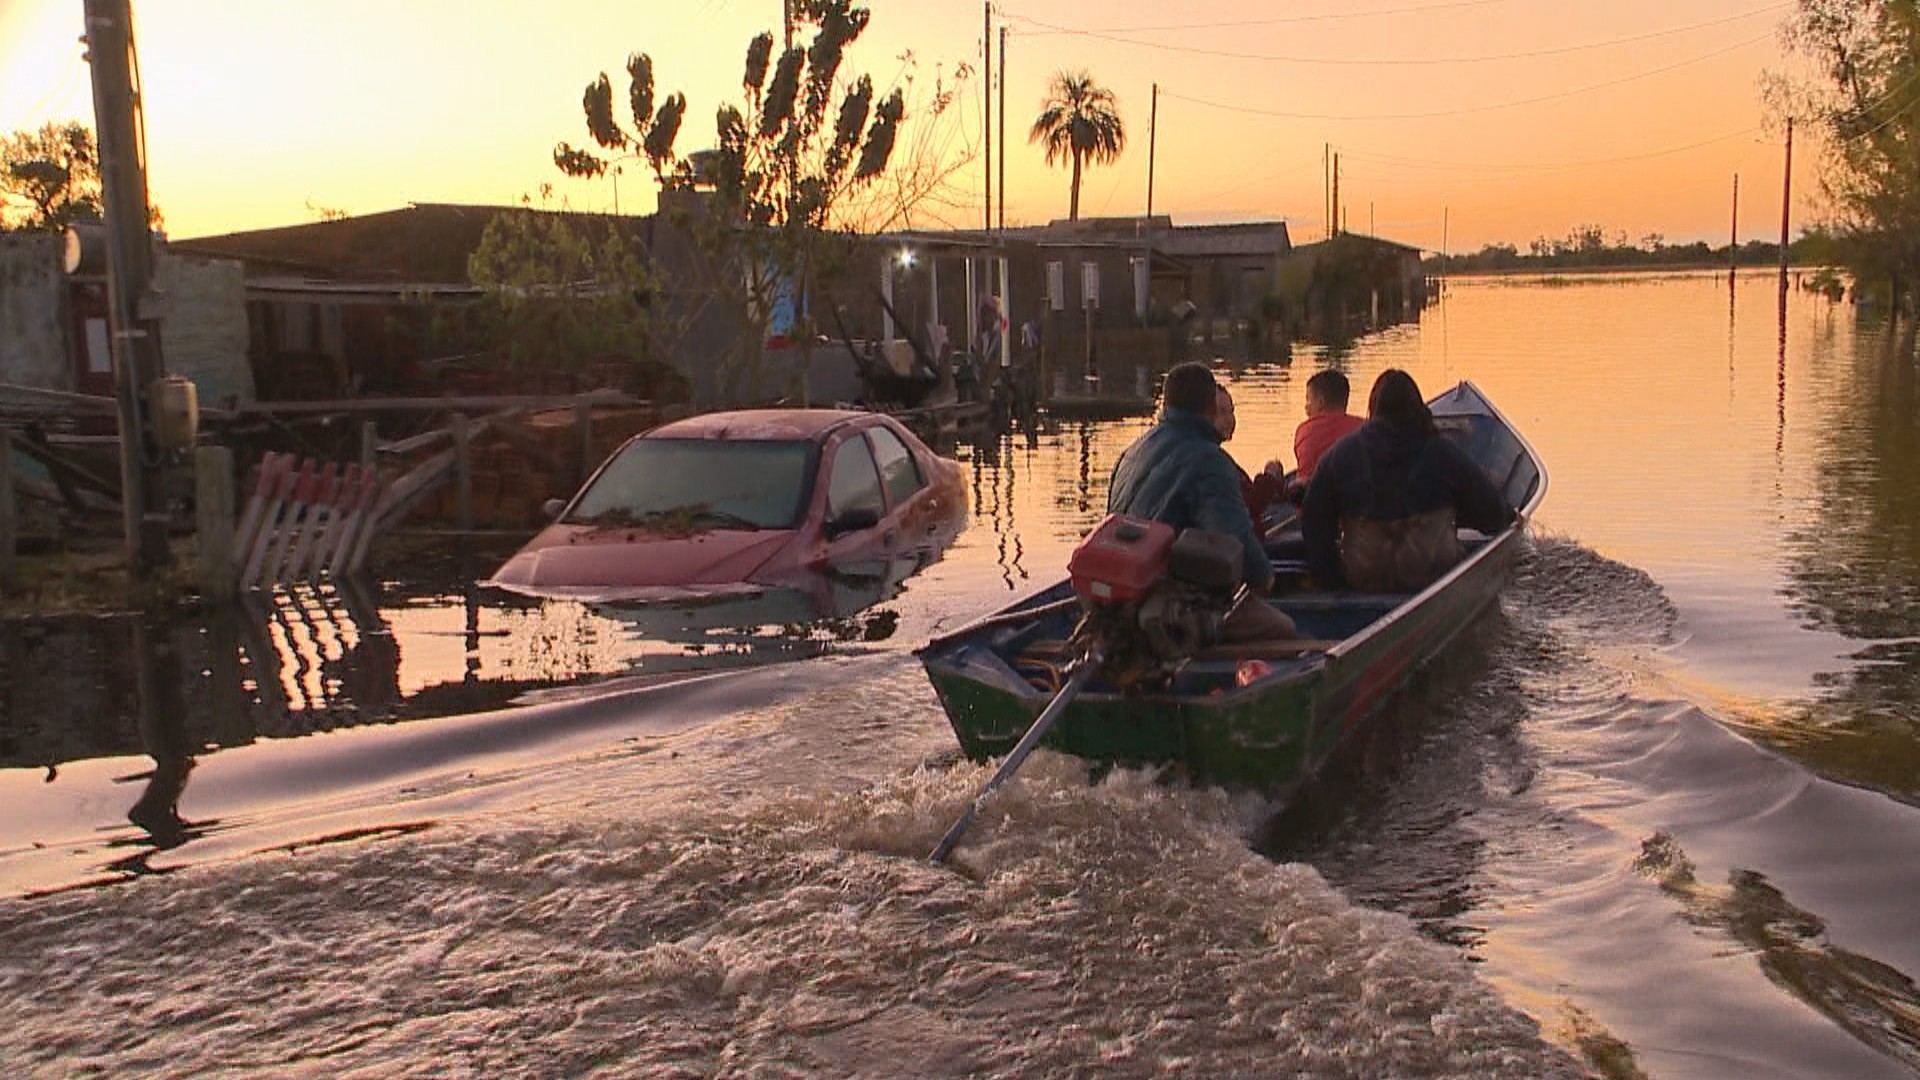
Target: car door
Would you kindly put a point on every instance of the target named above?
(853, 488)
(906, 485)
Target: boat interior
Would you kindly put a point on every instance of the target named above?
(1031, 639)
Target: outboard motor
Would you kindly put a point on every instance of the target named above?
(1152, 598)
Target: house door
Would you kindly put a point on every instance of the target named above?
(89, 344)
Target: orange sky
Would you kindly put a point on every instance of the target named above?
(254, 110)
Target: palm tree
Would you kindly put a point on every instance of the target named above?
(1079, 122)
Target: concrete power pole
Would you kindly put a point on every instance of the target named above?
(1786, 203)
(986, 103)
(134, 322)
(1003, 125)
(1336, 194)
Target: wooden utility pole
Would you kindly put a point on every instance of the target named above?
(986, 106)
(1003, 126)
(1326, 190)
(1786, 202)
(1153, 136)
(134, 323)
(1336, 194)
(786, 21)
(1733, 233)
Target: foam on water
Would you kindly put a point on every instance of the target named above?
(1122, 928)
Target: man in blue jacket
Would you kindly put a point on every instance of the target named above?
(1178, 473)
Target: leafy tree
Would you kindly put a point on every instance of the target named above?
(767, 203)
(1868, 100)
(49, 178)
(1079, 123)
(564, 291)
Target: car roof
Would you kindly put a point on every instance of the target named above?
(758, 424)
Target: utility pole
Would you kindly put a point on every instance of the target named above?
(1003, 125)
(1336, 194)
(786, 21)
(135, 323)
(986, 107)
(1326, 190)
(1153, 133)
(1444, 211)
(1786, 203)
(1371, 231)
(1733, 233)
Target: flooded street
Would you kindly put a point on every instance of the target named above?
(1658, 816)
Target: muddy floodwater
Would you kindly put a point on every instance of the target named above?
(1659, 815)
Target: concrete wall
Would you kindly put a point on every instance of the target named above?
(204, 335)
(33, 313)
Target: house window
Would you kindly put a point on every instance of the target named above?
(1057, 285)
(1090, 284)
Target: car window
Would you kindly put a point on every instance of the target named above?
(898, 471)
(854, 483)
(694, 483)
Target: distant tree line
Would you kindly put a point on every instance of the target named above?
(1593, 247)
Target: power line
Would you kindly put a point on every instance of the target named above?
(1282, 20)
(1344, 61)
(1558, 95)
(1545, 166)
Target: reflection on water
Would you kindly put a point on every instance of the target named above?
(1734, 538)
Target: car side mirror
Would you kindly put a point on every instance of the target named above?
(852, 521)
(553, 508)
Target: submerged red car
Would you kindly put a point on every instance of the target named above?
(758, 497)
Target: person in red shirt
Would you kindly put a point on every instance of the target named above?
(1327, 423)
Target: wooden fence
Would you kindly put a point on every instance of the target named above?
(305, 518)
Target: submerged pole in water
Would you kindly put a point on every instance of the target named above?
(1082, 672)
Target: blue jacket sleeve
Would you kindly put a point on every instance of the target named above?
(1219, 506)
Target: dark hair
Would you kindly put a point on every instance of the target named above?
(1332, 387)
(1396, 402)
(1190, 386)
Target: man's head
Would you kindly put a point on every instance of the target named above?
(1327, 391)
(1223, 418)
(1190, 386)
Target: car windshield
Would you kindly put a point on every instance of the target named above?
(691, 484)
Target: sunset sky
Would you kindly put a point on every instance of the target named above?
(1513, 118)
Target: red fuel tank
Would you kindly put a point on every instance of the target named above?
(1121, 559)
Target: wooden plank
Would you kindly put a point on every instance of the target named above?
(325, 487)
(418, 404)
(327, 538)
(280, 537)
(369, 525)
(359, 516)
(64, 472)
(271, 466)
(213, 521)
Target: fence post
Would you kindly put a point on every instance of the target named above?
(583, 428)
(213, 521)
(9, 539)
(463, 470)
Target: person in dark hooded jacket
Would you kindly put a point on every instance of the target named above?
(1178, 473)
(1382, 509)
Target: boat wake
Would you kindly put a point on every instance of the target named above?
(1122, 927)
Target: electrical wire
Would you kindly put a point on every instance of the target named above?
(1433, 113)
(1281, 20)
(1391, 159)
(1409, 60)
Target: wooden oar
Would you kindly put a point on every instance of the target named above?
(1082, 672)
